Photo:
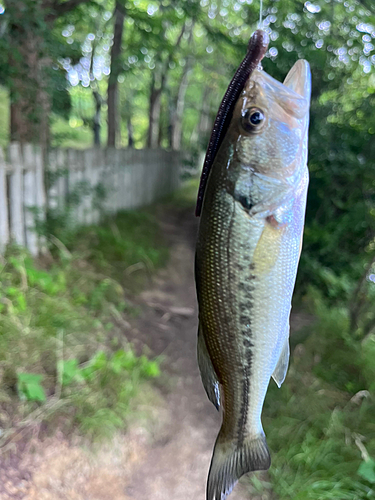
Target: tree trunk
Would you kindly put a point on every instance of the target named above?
(30, 102)
(96, 126)
(176, 122)
(154, 136)
(28, 24)
(176, 108)
(154, 112)
(161, 128)
(112, 100)
(96, 121)
(130, 133)
(200, 134)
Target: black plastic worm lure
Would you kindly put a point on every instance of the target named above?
(257, 48)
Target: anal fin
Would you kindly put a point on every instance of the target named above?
(279, 373)
(207, 371)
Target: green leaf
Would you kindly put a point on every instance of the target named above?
(367, 470)
(118, 360)
(35, 392)
(99, 360)
(69, 370)
(98, 363)
(87, 372)
(29, 387)
(21, 300)
(12, 291)
(129, 360)
(151, 369)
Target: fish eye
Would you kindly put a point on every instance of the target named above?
(253, 119)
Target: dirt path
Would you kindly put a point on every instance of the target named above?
(176, 466)
(169, 463)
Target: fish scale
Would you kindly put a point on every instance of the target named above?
(247, 255)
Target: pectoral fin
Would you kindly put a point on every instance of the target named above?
(282, 365)
(208, 375)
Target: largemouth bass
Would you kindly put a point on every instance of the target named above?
(247, 255)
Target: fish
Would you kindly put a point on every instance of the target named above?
(252, 210)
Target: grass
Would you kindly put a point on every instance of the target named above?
(64, 356)
(320, 428)
(128, 247)
(186, 196)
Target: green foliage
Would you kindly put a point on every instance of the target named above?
(60, 222)
(320, 425)
(127, 247)
(367, 470)
(72, 133)
(18, 32)
(29, 387)
(312, 430)
(186, 196)
(68, 371)
(113, 380)
(367, 361)
(61, 330)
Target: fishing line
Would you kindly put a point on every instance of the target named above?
(260, 24)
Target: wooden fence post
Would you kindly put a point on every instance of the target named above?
(127, 188)
(99, 165)
(81, 187)
(110, 176)
(29, 184)
(52, 193)
(62, 180)
(16, 194)
(72, 179)
(40, 194)
(4, 222)
(119, 169)
(89, 165)
(128, 193)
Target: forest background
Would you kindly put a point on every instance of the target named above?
(150, 74)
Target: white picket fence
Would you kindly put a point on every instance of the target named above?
(128, 178)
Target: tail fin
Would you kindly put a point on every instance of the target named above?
(230, 462)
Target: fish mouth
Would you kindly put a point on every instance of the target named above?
(293, 95)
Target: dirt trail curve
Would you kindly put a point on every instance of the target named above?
(176, 465)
